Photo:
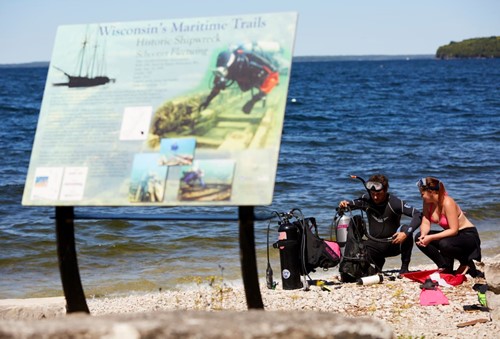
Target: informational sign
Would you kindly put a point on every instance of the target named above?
(167, 113)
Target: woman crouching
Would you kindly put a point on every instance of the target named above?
(459, 238)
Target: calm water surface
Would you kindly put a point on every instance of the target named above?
(406, 119)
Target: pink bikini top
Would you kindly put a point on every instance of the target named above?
(443, 221)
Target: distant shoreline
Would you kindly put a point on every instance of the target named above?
(322, 58)
(35, 64)
(311, 58)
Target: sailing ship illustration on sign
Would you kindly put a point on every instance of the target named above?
(90, 67)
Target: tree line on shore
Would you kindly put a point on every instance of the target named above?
(471, 48)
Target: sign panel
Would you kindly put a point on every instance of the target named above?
(168, 112)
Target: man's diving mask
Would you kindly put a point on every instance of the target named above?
(374, 186)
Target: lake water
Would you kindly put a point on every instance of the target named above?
(403, 118)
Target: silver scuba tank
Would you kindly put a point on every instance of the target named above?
(341, 231)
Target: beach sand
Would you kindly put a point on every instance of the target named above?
(394, 301)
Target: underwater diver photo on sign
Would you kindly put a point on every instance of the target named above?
(235, 103)
(248, 66)
(165, 112)
(207, 180)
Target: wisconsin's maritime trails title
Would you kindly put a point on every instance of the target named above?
(158, 35)
(182, 27)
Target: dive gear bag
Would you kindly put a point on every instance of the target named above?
(355, 264)
(318, 252)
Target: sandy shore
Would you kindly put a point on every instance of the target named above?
(395, 301)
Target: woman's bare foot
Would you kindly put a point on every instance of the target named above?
(462, 269)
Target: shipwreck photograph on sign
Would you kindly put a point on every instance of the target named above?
(166, 112)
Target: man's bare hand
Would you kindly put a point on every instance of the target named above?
(399, 237)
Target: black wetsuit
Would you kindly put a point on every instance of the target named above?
(383, 222)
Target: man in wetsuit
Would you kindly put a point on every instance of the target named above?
(248, 70)
(384, 211)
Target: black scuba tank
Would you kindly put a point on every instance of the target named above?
(289, 244)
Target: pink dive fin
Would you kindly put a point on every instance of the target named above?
(433, 297)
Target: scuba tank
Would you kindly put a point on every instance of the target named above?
(341, 231)
(289, 244)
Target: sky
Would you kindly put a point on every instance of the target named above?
(325, 27)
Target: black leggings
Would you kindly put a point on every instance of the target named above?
(378, 251)
(464, 247)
